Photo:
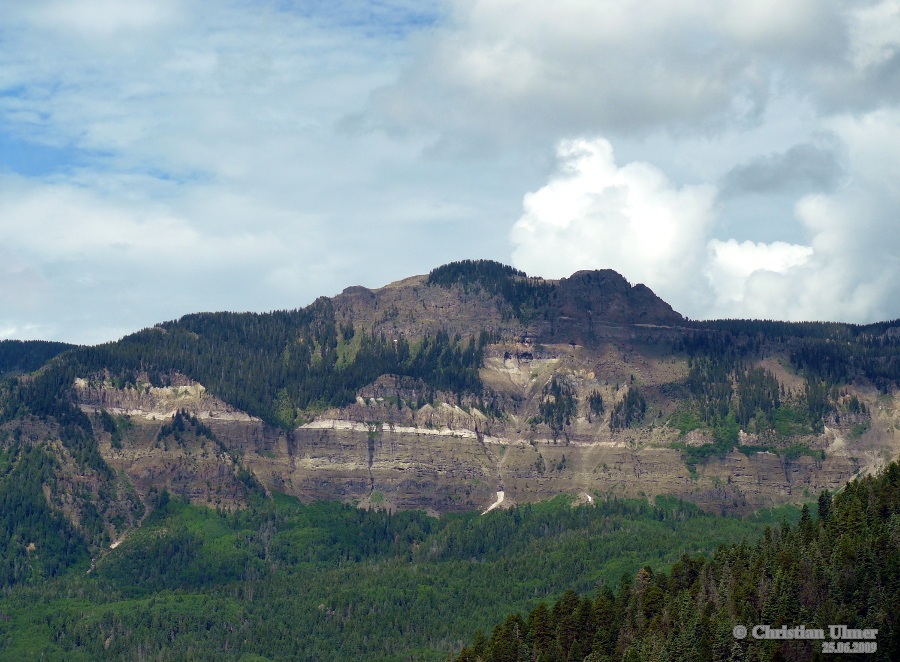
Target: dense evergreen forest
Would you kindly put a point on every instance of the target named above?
(28, 523)
(19, 356)
(325, 581)
(840, 566)
(525, 296)
(558, 406)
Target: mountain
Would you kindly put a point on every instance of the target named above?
(471, 386)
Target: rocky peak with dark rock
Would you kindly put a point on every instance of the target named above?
(606, 297)
(465, 297)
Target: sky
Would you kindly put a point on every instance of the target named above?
(164, 157)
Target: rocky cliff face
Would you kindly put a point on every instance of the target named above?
(590, 300)
(447, 455)
(412, 308)
(582, 391)
(588, 385)
(575, 310)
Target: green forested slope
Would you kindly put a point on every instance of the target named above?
(28, 523)
(839, 568)
(28, 355)
(329, 582)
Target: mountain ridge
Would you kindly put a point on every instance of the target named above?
(439, 391)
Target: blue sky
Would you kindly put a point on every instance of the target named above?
(163, 157)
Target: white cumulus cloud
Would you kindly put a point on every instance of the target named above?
(732, 265)
(596, 214)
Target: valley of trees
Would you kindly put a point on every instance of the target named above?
(839, 566)
(628, 410)
(558, 406)
(325, 581)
